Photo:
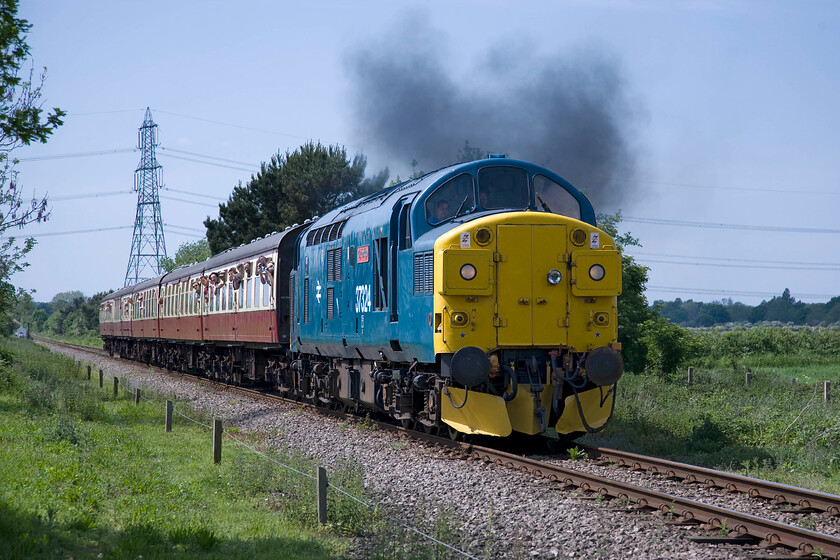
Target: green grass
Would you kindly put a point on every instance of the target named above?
(774, 429)
(84, 475)
(92, 340)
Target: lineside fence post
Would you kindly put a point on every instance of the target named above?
(690, 375)
(88, 372)
(322, 495)
(217, 441)
(137, 395)
(100, 378)
(116, 386)
(168, 416)
(748, 378)
(826, 390)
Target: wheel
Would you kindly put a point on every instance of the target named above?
(455, 435)
(426, 429)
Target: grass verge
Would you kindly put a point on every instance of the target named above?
(775, 429)
(86, 475)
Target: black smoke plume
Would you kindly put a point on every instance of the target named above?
(570, 111)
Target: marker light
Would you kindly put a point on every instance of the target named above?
(597, 272)
(554, 277)
(468, 272)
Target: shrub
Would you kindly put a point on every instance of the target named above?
(668, 346)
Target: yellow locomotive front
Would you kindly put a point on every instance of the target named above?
(525, 323)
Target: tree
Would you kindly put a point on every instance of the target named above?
(289, 189)
(22, 121)
(633, 308)
(469, 153)
(187, 253)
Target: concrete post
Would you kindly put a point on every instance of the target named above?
(168, 416)
(322, 495)
(217, 441)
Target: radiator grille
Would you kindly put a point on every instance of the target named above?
(334, 265)
(292, 300)
(330, 302)
(424, 272)
(306, 300)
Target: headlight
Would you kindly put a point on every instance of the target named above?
(597, 272)
(459, 319)
(554, 277)
(468, 272)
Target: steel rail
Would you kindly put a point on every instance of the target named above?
(770, 533)
(754, 487)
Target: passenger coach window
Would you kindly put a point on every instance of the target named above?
(552, 197)
(453, 198)
(503, 187)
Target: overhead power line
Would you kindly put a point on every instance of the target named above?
(86, 195)
(710, 291)
(725, 188)
(184, 228)
(247, 163)
(252, 170)
(191, 193)
(741, 266)
(682, 223)
(78, 155)
(193, 202)
(643, 255)
(140, 110)
(230, 124)
(185, 234)
(74, 232)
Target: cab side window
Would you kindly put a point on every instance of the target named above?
(453, 198)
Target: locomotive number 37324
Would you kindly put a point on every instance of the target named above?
(363, 298)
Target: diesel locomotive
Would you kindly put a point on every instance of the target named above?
(479, 299)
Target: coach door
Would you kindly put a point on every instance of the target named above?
(531, 310)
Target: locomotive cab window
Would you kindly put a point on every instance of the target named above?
(503, 187)
(454, 198)
(552, 197)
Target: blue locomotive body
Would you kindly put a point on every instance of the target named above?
(350, 299)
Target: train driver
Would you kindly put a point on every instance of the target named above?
(442, 210)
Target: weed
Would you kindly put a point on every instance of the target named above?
(576, 453)
(808, 522)
(366, 424)
(397, 445)
(61, 429)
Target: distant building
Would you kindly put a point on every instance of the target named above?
(22, 332)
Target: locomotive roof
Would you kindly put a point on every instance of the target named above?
(431, 180)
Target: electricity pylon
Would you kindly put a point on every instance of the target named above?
(148, 246)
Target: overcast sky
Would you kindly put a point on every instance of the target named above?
(713, 126)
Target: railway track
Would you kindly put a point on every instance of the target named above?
(730, 526)
(797, 500)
